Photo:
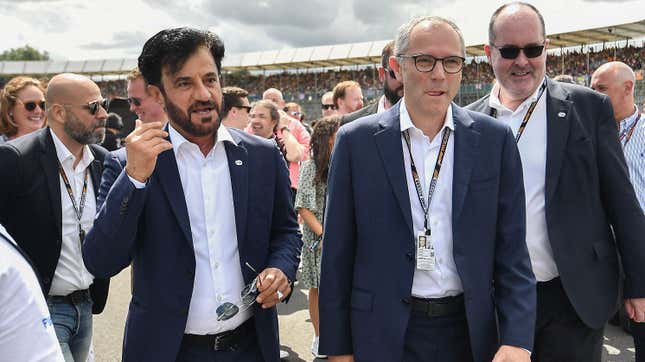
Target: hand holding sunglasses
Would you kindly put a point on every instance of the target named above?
(273, 286)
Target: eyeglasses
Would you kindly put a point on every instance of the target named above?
(30, 106)
(135, 101)
(328, 106)
(93, 106)
(229, 310)
(512, 51)
(247, 108)
(425, 63)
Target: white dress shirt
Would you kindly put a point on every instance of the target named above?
(634, 148)
(532, 147)
(444, 280)
(70, 274)
(206, 182)
(26, 331)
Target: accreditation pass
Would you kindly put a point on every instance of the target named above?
(425, 251)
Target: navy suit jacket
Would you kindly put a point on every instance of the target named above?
(368, 259)
(591, 208)
(150, 228)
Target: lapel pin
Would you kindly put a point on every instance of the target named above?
(238, 162)
(561, 114)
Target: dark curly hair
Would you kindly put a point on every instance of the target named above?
(172, 47)
(324, 130)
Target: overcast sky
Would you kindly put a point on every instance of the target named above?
(81, 29)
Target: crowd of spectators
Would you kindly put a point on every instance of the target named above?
(579, 64)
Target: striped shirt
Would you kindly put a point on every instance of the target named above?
(633, 143)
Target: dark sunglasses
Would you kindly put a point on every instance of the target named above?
(30, 106)
(247, 108)
(512, 51)
(135, 101)
(328, 106)
(93, 107)
(228, 310)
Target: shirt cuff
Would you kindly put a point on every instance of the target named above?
(137, 184)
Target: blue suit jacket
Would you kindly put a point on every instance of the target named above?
(368, 256)
(150, 228)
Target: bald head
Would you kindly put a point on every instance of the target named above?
(70, 88)
(69, 113)
(275, 96)
(616, 80)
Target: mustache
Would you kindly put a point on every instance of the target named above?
(202, 104)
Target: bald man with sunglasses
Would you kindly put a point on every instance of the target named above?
(47, 202)
(581, 209)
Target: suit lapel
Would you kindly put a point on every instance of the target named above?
(466, 146)
(49, 164)
(168, 177)
(238, 168)
(558, 115)
(388, 142)
(96, 169)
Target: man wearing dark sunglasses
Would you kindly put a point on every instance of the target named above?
(392, 89)
(327, 104)
(147, 108)
(580, 205)
(48, 202)
(235, 107)
(197, 206)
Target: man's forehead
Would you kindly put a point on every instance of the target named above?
(427, 32)
(521, 24)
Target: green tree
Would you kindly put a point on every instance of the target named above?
(24, 53)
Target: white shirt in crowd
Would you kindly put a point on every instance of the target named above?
(206, 182)
(532, 147)
(70, 274)
(444, 280)
(26, 330)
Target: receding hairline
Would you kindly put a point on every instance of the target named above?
(620, 71)
(514, 6)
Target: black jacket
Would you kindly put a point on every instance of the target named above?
(587, 194)
(30, 203)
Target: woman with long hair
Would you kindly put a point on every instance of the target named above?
(310, 204)
(22, 108)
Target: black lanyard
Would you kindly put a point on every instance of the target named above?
(435, 174)
(628, 132)
(527, 116)
(77, 210)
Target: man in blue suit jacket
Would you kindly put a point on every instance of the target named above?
(197, 210)
(383, 295)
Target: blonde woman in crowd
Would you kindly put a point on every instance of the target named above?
(22, 108)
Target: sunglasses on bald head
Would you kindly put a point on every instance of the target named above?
(30, 106)
(512, 51)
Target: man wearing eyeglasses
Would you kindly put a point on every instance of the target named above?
(425, 257)
(580, 204)
(392, 89)
(203, 212)
(235, 107)
(48, 203)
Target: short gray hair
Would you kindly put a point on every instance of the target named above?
(403, 36)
